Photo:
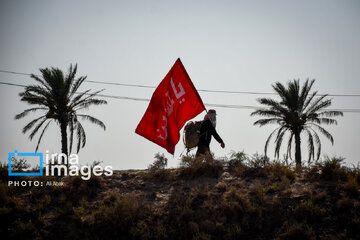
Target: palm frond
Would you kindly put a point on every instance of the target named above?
(314, 105)
(272, 103)
(311, 148)
(266, 112)
(69, 79)
(58, 75)
(48, 77)
(27, 111)
(304, 93)
(292, 101)
(54, 77)
(31, 124)
(41, 81)
(71, 74)
(37, 128)
(313, 119)
(80, 101)
(324, 132)
(86, 104)
(41, 135)
(328, 121)
(33, 99)
(308, 101)
(71, 127)
(76, 85)
(268, 140)
(81, 136)
(281, 91)
(288, 151)
(76, 99)
(278, 141)
(331, 113)
(321, 105)
(38, 91)
(317, 141)
(262, 122)
(93, 120)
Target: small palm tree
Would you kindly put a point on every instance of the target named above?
(56, 96)
(297, 112)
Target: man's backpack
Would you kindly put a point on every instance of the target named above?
(192, 134)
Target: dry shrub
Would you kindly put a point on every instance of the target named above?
(157, 170)
(159, 163)
(296, 231)
(4, 176)
(221, 186)
(308, 211)
(257, 191)
(235, 204)
(351, 187)
(202, 166)
(347, 212)
(279, 186)
(159, 174)
(115, 220)
(237, 159)
(79, 188)
(276, 171)
(331, 169)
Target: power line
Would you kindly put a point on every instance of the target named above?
(122, 97)
(18, 73)
(206, 104)
(12, 84)
(200, 90)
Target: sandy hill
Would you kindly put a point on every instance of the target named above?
(204, 199)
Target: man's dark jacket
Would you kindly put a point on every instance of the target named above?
(207, 130)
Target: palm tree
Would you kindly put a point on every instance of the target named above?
(57, 98)
(297, 112)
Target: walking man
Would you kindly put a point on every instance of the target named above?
(207, 130)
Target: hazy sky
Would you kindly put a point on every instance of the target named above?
(224, 45)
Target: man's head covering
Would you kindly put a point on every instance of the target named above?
(211, 111)
(211, 115)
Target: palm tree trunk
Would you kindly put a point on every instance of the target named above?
(297, 147)
(63, 125)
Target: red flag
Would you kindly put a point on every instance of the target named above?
(174, 102)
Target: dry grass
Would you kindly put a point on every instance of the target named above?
(243, 198)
